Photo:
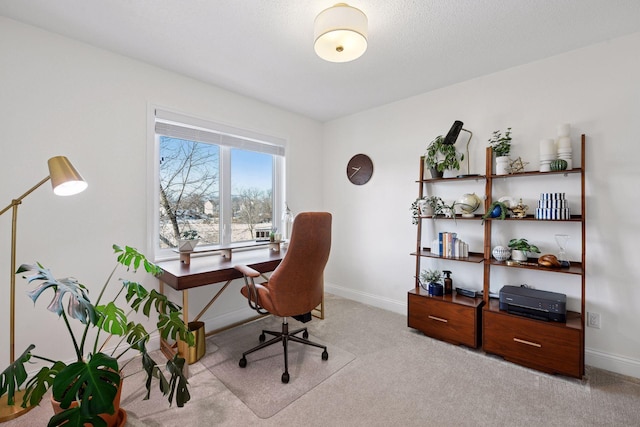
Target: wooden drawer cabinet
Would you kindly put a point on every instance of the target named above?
(547, 346)
(451, 318)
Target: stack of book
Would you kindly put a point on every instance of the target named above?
(449, 246)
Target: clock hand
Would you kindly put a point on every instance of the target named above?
(356, 171)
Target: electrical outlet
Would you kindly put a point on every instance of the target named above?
(593, 320)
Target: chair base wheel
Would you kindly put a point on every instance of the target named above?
(262, 337)
(243, 362)
(285, 378)
(305, 335)
(325, 355)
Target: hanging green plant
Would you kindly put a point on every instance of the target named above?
(497, 210)
(441, 156)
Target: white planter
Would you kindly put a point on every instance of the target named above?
(517, 255)
(502, 165)
(425, 208)
(187, 245)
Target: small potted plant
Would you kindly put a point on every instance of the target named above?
(520, 249)
(87, 390)
(440, 157)
(426, 206)
(501, 145)
(430, 280)
(188, 240)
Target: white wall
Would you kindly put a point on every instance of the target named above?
(596, 89)
(61, 97)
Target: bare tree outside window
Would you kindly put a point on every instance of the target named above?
(189, 190)
(252, 208)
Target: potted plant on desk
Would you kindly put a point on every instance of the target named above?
(188, 240)
(88, 388)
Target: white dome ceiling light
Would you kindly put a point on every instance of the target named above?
(340, 33)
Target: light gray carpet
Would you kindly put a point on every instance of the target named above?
(259, 384)
(398, 377)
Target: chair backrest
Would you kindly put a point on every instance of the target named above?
(296, 285)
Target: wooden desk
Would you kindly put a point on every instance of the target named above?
(211, 269)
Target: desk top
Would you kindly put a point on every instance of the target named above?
(210, 269)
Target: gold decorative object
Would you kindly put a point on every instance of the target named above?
(517, 165)
(520, 210)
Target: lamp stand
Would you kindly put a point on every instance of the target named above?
(11, 411)
(467, 153)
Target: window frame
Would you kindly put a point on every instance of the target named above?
(230, 137)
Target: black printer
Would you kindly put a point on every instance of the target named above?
(534, 303)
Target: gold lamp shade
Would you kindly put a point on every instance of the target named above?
(340, 33)
(65, 179)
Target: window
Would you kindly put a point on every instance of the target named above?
(221, 182)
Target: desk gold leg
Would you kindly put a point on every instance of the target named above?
(215, 297)
(318, 312)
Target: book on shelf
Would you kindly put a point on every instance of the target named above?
(448, 245)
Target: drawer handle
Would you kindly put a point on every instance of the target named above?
(532, 344)
(439, 319)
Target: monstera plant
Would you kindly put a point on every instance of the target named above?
(87, 387)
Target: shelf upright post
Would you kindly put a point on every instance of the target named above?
(487, 226)
(419, 225)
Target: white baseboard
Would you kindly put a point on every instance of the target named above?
(367, 298)
(612, 362)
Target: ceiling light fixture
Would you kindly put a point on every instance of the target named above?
(340, 33)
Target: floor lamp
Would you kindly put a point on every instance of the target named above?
(65, 181)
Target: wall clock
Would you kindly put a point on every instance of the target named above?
(359, 169)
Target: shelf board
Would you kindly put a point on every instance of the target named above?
(475, 257)
(453, 178)
(538, 173)
(574, 218)
(574, 268)
(452, 298)
(457, 217)
(574, 319)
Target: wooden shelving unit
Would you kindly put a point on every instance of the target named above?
(551, 347)
(547, 346)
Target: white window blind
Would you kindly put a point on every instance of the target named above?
(176, 125)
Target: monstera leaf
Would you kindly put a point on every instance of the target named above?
(12, 378)
(94, 382)
(112, 319)
(79, 306)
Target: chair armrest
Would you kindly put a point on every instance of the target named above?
(247, 271)
(249, 275)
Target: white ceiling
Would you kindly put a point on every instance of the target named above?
(264, 48)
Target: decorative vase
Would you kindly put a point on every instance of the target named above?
(517, 255)
(501, 253)
(502, 165)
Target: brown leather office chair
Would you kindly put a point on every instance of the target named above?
(296, 286)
